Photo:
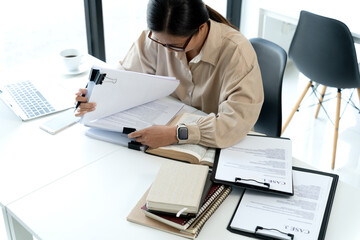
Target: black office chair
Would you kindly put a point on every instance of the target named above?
(323, 50)
(272, 61)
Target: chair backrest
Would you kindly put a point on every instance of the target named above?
(272, 61)
(323, 50)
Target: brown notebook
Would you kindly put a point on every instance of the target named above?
(183, 223)
(137, 216)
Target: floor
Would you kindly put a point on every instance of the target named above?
(313, 138)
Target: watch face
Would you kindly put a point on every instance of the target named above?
(183, 133)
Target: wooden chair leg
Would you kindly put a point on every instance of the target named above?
(322, 94)
(336, 130)
(296, 107)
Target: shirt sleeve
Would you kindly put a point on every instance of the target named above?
(240, 103)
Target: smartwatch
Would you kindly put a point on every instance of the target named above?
(182, 133)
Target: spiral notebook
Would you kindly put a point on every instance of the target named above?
(183, 223)
(137, 216)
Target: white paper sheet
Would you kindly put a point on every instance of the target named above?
(264, 159)
(300, 214)
(158, 112)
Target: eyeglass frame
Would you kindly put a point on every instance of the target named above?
(174, 48)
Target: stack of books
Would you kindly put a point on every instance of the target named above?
(180, 201)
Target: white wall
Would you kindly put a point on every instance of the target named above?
(283, 12)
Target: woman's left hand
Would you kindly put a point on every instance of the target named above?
(156, 136)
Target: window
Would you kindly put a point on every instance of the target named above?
(125, 20)
(39, 29)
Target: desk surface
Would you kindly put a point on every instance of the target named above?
(93, 202)
(31, 158)
(68, 186)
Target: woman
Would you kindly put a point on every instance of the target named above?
(216, 65)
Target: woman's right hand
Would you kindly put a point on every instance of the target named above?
(84, 106)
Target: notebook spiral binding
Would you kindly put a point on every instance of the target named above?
(201, 223)
(208, 202)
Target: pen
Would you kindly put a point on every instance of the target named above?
(78, 103)
(93, 77)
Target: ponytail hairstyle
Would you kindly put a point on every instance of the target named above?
(180, 17)
(217, 17)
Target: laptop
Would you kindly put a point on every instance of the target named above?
(30, 101)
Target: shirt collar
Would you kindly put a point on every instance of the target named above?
(211, 48)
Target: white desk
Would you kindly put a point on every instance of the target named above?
(69, 186)
(93, 202)
(31, 158)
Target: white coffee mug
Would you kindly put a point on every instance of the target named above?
(72, 59)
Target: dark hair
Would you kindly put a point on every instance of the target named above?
(214, 15)
(180, 17)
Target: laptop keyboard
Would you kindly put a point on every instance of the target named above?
(30, 100)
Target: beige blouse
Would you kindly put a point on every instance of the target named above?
(223, 80)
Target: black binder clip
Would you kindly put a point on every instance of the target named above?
(94, 73)
(238, 179)
(101, 78)
(96, 77)
(135, 145)
(291, 236)
(93, 76)
(127, 130)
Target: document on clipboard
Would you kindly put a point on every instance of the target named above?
(257, 162)
(115, 90)
(303, 216)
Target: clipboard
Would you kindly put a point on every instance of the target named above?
(288, 234)
(249, 182)
(108, 86)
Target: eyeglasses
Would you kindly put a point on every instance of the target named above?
(175, 48)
